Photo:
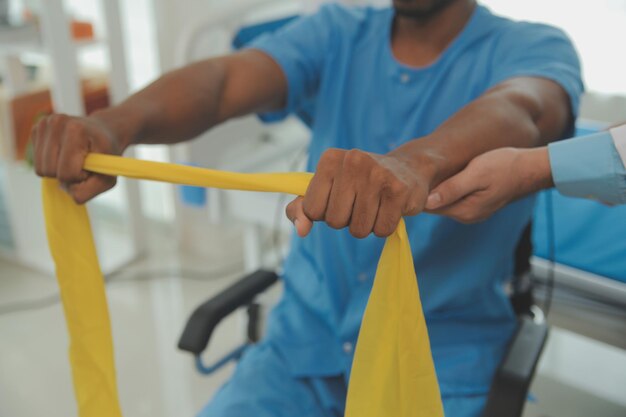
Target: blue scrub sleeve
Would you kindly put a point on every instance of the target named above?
(535, 50)
(589, 167)
(300, 49)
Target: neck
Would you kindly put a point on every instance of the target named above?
(419, 41)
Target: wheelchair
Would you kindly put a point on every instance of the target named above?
(509, 389)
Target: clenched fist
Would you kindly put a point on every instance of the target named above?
(366, 192)
(61, 144)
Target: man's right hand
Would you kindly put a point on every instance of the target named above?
(61, 144)
(178, 106)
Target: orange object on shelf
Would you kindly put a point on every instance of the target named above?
(82, 30)
(28, 108)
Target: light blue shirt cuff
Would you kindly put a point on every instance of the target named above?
(589, 167)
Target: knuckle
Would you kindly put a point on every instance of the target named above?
(356, 157)
(40, 131)
(74, 129)
(397, 187)
(48, 169)
(53, 119)
(384, 228)
(379, 174)
(415, 203)
(57, 120)
(290, 210)
(332, 156)
(358, 231)
(336, 222)
(382, 231)
(66, 176)
(71, 173)
(329, 163)
(311, 211)
(412, 209)
(63, 177)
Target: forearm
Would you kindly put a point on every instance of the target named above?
(176, 107)
(184, 103)
(507, 116)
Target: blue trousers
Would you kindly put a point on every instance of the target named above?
(262, 386)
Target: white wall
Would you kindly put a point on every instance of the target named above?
(598, 29)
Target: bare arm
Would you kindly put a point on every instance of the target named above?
(177, 107)
(186, 102)
(369, 192)
(521, 113)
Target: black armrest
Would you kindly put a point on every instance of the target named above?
(207, 316)
(509, 389)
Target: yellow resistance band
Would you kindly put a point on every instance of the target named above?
(392, 372)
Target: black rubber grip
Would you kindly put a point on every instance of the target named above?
(207, 316)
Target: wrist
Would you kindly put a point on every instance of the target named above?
(535, 163)
(121, 125)
(423, 161)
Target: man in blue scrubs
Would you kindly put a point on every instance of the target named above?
(401, 99)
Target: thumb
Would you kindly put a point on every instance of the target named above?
(295, 213)
(451, 190)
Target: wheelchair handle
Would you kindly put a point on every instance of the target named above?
(207, 316)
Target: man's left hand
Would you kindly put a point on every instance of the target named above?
(366, 192)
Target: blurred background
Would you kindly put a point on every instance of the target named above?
(165, 249)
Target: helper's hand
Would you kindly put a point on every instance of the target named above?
(366, 192)
(61, 144)
(489, 182)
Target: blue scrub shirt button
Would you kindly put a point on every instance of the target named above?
(363, 277)
(348, 347)
(405, 78)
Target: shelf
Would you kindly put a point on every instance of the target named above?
(26, 39)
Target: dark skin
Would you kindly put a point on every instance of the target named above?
(366, 192)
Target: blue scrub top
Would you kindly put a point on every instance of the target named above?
(338, 63)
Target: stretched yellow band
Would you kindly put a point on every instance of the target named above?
(392, 372)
